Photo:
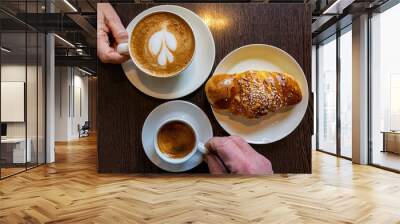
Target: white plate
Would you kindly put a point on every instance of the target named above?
(178, 109)
(275, 126)
(190, 79)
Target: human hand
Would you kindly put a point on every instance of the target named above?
(234, 155)
(108, 22)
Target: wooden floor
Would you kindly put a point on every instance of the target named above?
(71, 191)
(386, 159)
(10, 171)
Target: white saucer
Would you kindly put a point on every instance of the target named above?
(275, 126)
(184, 110)
(190, 79)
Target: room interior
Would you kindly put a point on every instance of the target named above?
(57, 165)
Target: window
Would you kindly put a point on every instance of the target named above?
(385, 89)
(346, 92)
(335, 74)
(326, 96)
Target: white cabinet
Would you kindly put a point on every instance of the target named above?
(17, 145)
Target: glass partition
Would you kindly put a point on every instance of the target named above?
(13, 108)
(22, 78)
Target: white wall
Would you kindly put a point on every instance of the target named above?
(62, 81)
(79, 117)
(70, 83)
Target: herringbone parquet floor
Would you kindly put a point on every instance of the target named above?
(71, 191)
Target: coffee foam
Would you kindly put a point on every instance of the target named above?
(162, 44)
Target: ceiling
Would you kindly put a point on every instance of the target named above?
(326, 24)
(21, 20)
(16, 42)
(39, 6)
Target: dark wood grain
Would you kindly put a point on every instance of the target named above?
(92, 95)
(122, 108)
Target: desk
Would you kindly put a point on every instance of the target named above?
(391, 141)
(16, 148)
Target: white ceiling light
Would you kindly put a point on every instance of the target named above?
(337, 7)
(70, 5)
(80, 51)
(84, 71)
(5, 50)
(65, 41)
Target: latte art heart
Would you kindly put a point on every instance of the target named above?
(162, 44)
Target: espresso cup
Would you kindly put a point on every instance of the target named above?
(163, 45)
(197, 145)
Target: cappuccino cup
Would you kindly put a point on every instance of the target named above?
(176, 141)
(161, 44)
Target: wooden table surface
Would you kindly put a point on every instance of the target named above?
(122, 108)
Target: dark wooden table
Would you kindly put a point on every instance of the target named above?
(122, 108)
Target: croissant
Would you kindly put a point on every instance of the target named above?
(253, 94)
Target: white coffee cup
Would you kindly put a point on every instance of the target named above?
(124, 48)
(198, 146)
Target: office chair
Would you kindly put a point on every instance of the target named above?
(84, 130)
